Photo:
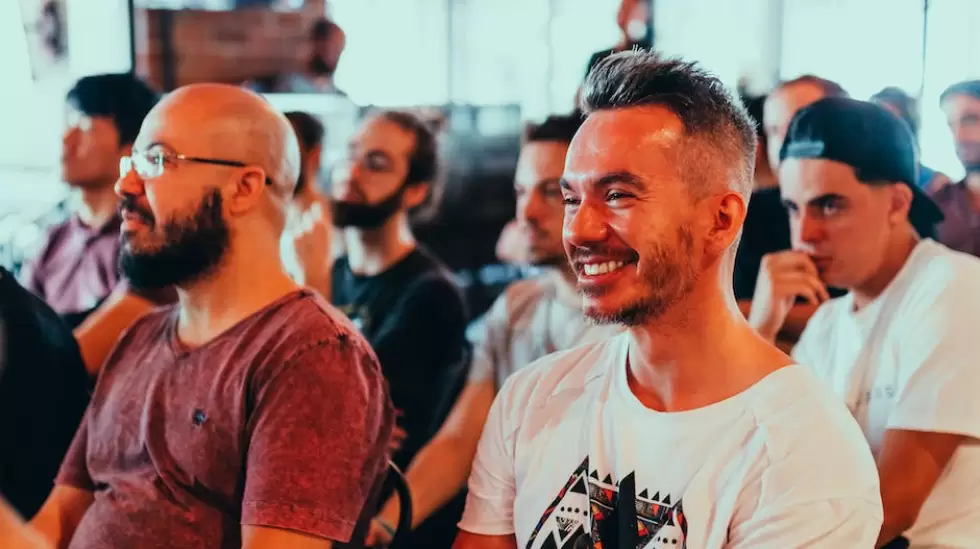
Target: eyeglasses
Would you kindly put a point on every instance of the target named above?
(150, 164)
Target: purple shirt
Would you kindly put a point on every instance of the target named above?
(77, 265)
(281, 421)
(961, 228)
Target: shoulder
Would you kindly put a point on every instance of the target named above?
(560, 373)
(942, 282)
(824, 321)
(809, 433)
(947, 194)
(520, 298)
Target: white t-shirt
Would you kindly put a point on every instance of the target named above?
(529, 320)
(908, 360)
(781, 465)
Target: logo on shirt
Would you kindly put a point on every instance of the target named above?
(586, 515)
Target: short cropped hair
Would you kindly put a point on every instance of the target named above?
(560, 128)
(970, 88)
(423, 164)
(828, 87)
(309, 130)
(122, 97)
(902, 102)
(714, 120)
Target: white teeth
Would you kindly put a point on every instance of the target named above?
(592, 269)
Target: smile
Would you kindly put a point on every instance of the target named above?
(593, 269)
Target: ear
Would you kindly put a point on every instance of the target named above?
(415, 194)
(726, 222)
(247, 190)
(901, 202)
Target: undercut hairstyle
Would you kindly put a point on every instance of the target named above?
(828, 87)
(902, 102)
(423, 164)
(121, 97)
(720, 138)
(969, 88)
(560, 128)
(309, 130)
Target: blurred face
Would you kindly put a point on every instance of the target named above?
(630, 227)
(963, 116)
(368, 187)
(778, 112)
(844, 225)
(90, 151)
(539, 200)
(632, 18)
(174, 230)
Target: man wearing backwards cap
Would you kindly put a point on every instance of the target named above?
(899, 346)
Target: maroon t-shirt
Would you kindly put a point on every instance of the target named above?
(282, 421)
(961, 228)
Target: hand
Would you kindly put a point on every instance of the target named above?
(398, 435)
(783, 277)
(312, 244)
(379, 534)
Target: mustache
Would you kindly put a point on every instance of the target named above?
(128, 205)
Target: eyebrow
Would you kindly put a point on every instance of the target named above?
(815, 201)
(613, 178)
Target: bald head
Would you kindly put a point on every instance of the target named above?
(231, 123)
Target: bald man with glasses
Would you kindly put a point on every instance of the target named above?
(251, 414)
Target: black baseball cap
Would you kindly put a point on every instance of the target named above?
(876, 143)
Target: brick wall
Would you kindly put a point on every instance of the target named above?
(225, 46)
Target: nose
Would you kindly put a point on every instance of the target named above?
(585, 225)
(808, 228)
(129, 184)
(529, 207)
(68, 138)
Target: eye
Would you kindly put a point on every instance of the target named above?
(830, 208)
(569, 200)
(614, 196)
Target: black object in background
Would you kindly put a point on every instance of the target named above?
(43, 395)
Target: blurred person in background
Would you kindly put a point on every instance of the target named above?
(401, 297)
(318, 63)
(76, 270)
(766, 227)
(900, 348)
(634, 19)
(531, 319)
(960, 202)
(899, 103)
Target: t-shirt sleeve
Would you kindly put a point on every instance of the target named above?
(938, 365)
(492, 486)
(825, 523)
(74, 468)
(487, 340)
(319, 433)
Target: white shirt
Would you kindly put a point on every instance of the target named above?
(908, 360)
(529, 320)
(780, 465)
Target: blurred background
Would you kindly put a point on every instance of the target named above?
(481, 69)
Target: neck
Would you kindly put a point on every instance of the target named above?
(241, 286)
(765, 181)
(700, 352)
(897, 254)
(96, 206)
(373, 251)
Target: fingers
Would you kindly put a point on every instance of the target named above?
(791, 260)
(398, 436)
(802, 284)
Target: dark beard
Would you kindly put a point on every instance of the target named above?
(320, 67)
(193, 248)
(670, 279)
(366, 216)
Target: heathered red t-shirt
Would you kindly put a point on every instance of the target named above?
(282, 421)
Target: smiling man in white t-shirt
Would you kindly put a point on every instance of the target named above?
(900, 348)
(688, 430)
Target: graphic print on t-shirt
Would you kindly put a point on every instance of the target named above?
(585, 515)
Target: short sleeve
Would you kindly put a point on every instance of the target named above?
(492, 486)
(937, 361)
(319, 433)
(824, 523)
(74, 468)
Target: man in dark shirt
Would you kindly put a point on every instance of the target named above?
(400, 296)
(960, 202)
(42, 395)
(76, 270)
(251, 414)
